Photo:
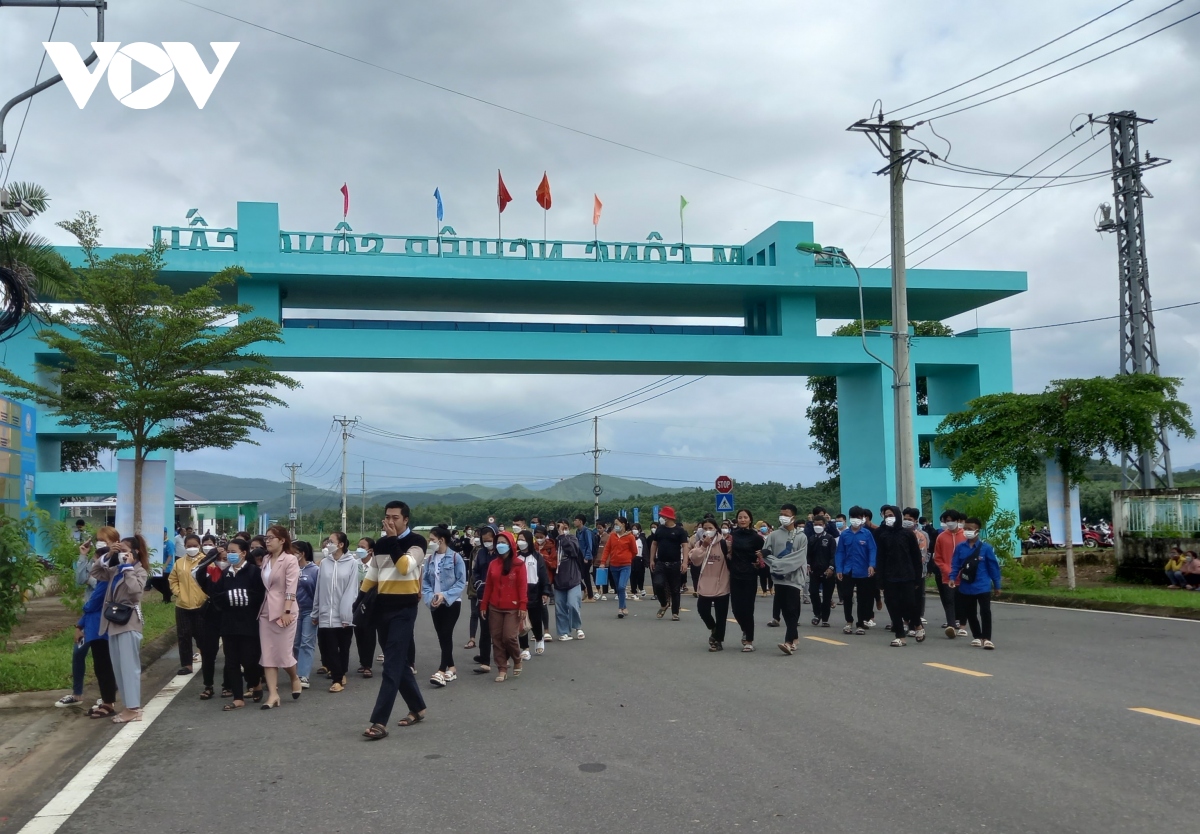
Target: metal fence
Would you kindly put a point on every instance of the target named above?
(1165, 516)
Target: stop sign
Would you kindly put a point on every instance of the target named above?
(724, 484)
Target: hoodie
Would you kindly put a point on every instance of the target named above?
(483, 558)
(898, 555)
(506, 592)
(786, 554)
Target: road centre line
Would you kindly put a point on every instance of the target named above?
(60, 808)
(825, 640)
(1185, 719)
(961, 671)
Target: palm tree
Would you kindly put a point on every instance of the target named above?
(27, 256)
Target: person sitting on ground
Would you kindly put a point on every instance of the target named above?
(1173, 569)
(1191, 571)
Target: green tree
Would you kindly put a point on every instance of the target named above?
(159, 369)
(822, 413)
(29, 255)
(1070, 422)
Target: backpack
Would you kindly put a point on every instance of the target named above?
(970, 568)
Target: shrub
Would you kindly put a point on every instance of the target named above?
(1016, 575)
(20, 569)
(63, 552)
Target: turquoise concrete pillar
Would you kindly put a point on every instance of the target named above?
(258, 236)
(866, 427)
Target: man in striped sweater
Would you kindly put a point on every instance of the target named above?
(395, 575)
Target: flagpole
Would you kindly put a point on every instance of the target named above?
(545, 214)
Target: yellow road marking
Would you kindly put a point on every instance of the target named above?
(826, 640)
(970, 672)
(1186, 719)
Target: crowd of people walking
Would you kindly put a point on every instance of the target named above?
(268, 607)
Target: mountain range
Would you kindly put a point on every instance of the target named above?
(273, 498)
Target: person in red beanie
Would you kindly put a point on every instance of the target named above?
(504, 604)
(666, 561)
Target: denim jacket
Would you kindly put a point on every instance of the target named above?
(453, 572)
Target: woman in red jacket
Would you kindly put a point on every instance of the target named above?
(619, 551)
(504, 604)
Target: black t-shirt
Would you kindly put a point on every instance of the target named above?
(670, 543)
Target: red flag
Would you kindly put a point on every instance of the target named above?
(543, 192)
(596, 206)
(503, 198)
(345, 200)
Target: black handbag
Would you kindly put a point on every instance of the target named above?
(118, 613)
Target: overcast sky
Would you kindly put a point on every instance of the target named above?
(760, 91)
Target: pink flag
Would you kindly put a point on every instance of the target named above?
(596, 206)
(345, 201)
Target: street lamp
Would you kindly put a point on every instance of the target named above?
(905, 465)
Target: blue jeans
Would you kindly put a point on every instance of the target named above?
(566, 609)
(618, 578)
(305, 644)
(78, 668)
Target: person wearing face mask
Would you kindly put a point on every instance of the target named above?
(711, 554)
(944, 546)
(568, 585)
(745, 545)
(854, 562)
(975, 577)
(364, 632)
(237, 594)
(189, 603)
(471, 554)
(766, 583)
(87, 633)
(331, 615)
(912, 521)
(637, 569)
(619, 552)
(489, 534)
(822, 550)
(125, 569)
(543, 540)
(785, 552)
(538, 579)
(306, 632)
(503, 604)
(897, 567)
(443, 581)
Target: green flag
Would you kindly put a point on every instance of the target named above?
(682, 204)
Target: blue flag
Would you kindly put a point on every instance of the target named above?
(437, 195)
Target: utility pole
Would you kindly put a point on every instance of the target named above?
(1139, 350)
(362, 522)
(596, 488)
(347, 424)
(292, 515)
(888, 139)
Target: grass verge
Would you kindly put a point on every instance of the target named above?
(1130, 595)
(46, 664)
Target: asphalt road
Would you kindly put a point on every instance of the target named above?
(640, 728)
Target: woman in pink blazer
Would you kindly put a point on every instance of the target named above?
(277, 617)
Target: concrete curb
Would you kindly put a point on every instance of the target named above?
(151, 652)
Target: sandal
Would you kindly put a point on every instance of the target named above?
(410, 719)
(438, 679)
(367, 673)
(256, 695)
(226, 693)
(675, 617)
(661, 612)
(470, 644)
(206, 694)
(897, 643)
(375, 732)
(516, 671)
(231, 707)
(101, 711)
(482, 670)
(747, 647)
(502, 677)
(137, 716)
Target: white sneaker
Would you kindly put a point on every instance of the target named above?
(579, 634)
(924, 621)
(604, 597)
(977, 644)
(870, 624)
(525, 654)
(565, 637)
(69, 701)
(304, 683)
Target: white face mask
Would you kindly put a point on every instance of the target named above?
(818, 529)
(708, 534)
(541, 540)
(475, 541)
(970, 534)
(890, 521)
(617, 528)
(856, 523)
(192, 551)
(951, 525)
(522, 545)
(207, 549)
(489, 545)
(909, 523)
(786, 520)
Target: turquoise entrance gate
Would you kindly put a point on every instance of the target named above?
(776, 292)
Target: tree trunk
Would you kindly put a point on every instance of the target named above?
(1070, 531)
(139, 461)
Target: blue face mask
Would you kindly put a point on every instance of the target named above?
(840, 524)
(502, 548)
(233, 558)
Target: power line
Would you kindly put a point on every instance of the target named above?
(29, 102)
(1098, 318)
(1014, 60)
(1063, 72)
(523, 114)
(1000, 213)
(1008, 188)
